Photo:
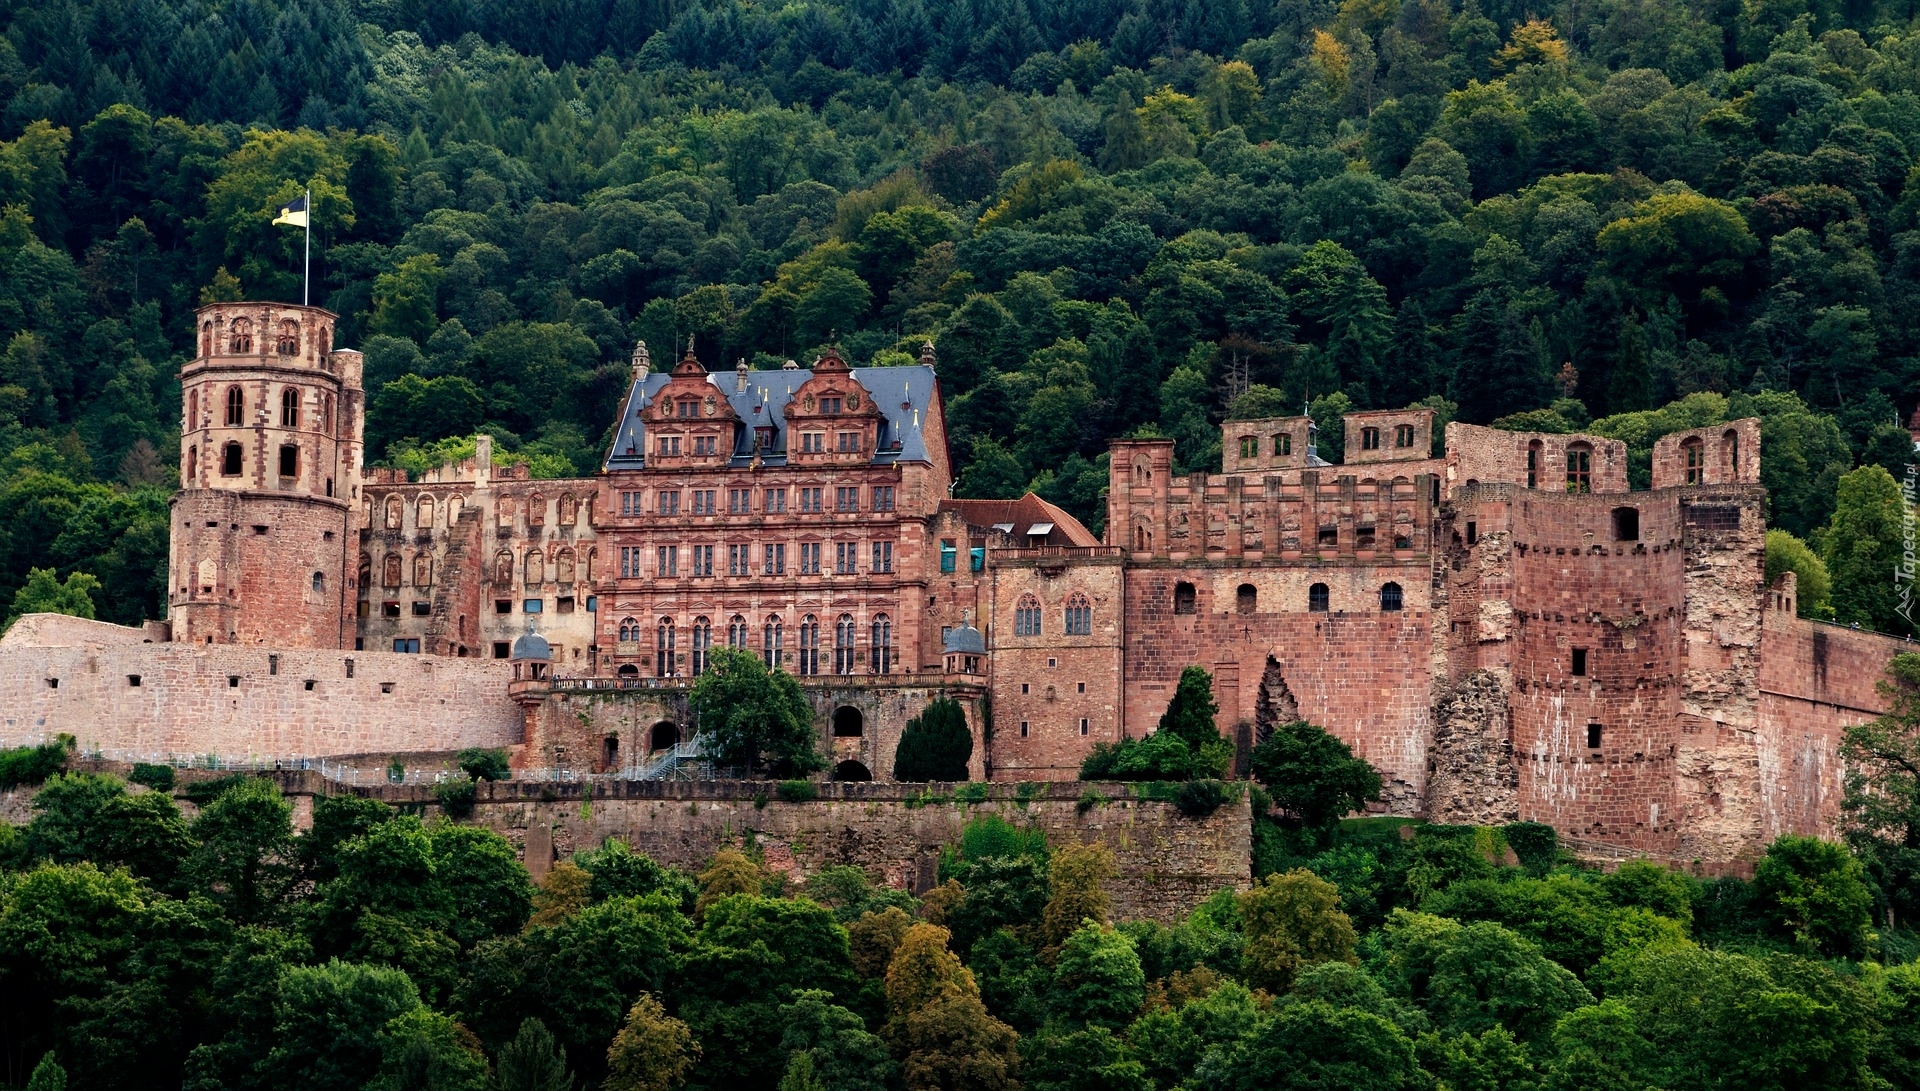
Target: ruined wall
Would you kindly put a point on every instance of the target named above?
(1353, 669)
(1472, 779)
(1815, 681)
(155, 701)
(1533, 460)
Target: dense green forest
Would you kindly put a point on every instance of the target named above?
(1111, 216)
(407, 950)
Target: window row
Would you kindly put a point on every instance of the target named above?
(239, 337)
(537, 569)
(1319, 599)
(699, 561)
(233, 457)
(1076, 617)
(950, 555)
(235, 408)
(845, 647)
(741, 501)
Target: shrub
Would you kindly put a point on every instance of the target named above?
(1199, 798)
(1535, 843)
(34, 764)
(935, 744)
(157, 777)
(456, 797)
(396, 772)
(796, 791)
(1313, 776)
(202, 792)
(483, 764)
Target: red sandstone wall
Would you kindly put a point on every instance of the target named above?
(1050, 683)
(1730, 455)
(1488, 455)
(186, 703)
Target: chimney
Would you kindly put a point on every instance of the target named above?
(790, 366)
(483, 456)
(642, 363)
(926, 354)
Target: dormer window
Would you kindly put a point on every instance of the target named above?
(763, 438)
(829, 405)
(687, 407)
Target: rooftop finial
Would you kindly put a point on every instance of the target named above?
(741, 373)
(641, 361)
(689, 344)
(926, 353)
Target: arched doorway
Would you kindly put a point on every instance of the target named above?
(664, 736)
(851, 770)
(848, 724)
(628, 670)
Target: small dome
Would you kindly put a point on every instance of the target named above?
(966, 640)
(532, 646)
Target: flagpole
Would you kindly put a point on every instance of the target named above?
(306, 274)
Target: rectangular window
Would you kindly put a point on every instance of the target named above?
(501, 649)
(1370, 439)
(1403, 435)
(668, 445)
(739, 501)
(882, 557)
(812, 442)
(389, 609)
(407, 645)
(423, 609)
(1473, 532)
(774, 502)
(670, 502)
(809, 558)
(1024, 687)
(289, 461)
(947, 555)
(977, 557)
(810, 499)
(668, 561)
(1579, 469)
(1023, 729)
(776, 560)
(829, 405)
(1085, 725)
(629, 562)
(703, 445)
(845, 558)
(534, 606)
(703, 501)
(883, 498)
(702, 561)
(846, 499)
(630, 503)
(503, 606)
(1249, 447)
(1593, 736)
(849, 442)
(563, 604)
(1579, 662)
(739, 560)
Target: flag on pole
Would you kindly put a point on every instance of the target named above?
(294, 214)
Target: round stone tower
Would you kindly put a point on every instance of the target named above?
(263, 525)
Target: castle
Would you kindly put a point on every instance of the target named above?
(1504, 630)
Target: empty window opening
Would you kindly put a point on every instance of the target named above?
(501, 649)
(610, 751)
(503, 606)
(1023, 729)
(1579, 662)
(309, 684)
(386, 687)
(349, 668)
(390, 609)
(230, 460)
(663, 736)
(852, 770)
(289, 461)
(1246, 600)
(273, 664)
(233, 681)
(1593, 736)
(1183, 598)
(1696, 453)
(1369, 439)
(1473, 532)
(423, 609)
(848, 723)
(1626, 524)
(1085, 725)
(133, 680)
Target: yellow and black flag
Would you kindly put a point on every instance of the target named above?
(295, 213)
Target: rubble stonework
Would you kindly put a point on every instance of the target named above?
(1503, 628)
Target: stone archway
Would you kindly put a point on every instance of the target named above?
(664, 736)
(848, 723)
(852, 770)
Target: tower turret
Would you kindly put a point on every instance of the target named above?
(263, 530)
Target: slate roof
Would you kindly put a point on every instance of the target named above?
(901, 393)
(964, 640)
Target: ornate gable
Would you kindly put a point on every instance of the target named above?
(832, 419)
(689, 425)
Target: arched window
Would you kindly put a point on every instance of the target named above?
(230, 460)
(319, 583)
(1579, 467)
(881, 661)
(326, 414)
(423, 570)
(1696, 455)
(809, 645)
(536, 510)
(702, 640)
(1249, 447)
(191, 470)
(206, 339)
(423, 513)
(1390, 597)
(395, 509)
(240, 340)
(1026, 616)
(326, 340)
(455, 505)
(569, 509)
(843, 631)
(563, 567)
(536, 568)
(629, 630)
(236, 407)
(593, 555)
(1079, 619)
(1246, 600)
(287, 341)
(1142, 474)
(503, 569)
(663, 641)
(736, 632)
(1183, 598)
(290, 407)
(1283, 443)
(1731, 441)
(772, 636)
(366, 572)
(193, 409)
(390, 570)
(1317, 598)
(503, 511)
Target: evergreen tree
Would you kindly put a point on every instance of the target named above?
(935, 745)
